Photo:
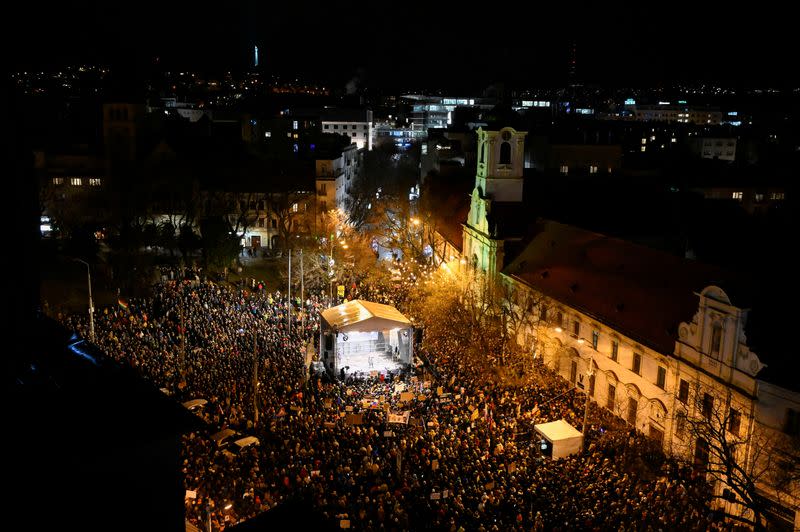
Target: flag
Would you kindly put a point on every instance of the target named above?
(122, 303)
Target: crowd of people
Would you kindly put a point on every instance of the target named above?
(460, 453)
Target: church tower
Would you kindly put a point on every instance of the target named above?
(498, 185)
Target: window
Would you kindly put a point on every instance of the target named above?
(734, 422)
(573, 372)
(776, 195)
(611, 401)
(637, 363)
(294, 124)
(294, 136)
(326, 126)
(559, 319)
(543, 313)
(323, 189)
(94, 181)
(505, 153)
(335, 126)
(614, 350)
(661, 379)
(323, 205)
(564, 169)
(274, 223)
(592, 169)
(576, 328)
(261, 222)
(683, 391)
(716, 339)
(344, 126)
(680, 424)
(294, 207)
(76, 181)
(656, 434)
(633, 407)
(354, 134)
(289, 134)
(365, 126)
(595, 339)
(58, 180)
(738, 195)
(708, 405)
(267, 134)
(792, 424)
(701, 454)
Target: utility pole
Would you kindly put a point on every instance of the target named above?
(289, 295)
(182, 362)
(586, 406)
(302, 292)
(91, 305)
(255, 377)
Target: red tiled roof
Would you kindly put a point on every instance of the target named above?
(641, 292)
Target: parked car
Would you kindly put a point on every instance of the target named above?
(195, 405)
(240, 445)
(224, 437)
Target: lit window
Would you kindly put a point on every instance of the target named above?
(289, 134)
(776, 195)
(592, 169)
(644, 148)
(737, 195)
(58, 180)
(294, 135)
(94, 181)
(564, 169)
(644, 141)
(294, 207)
(268, 134)
(76, 181)
(294, 124)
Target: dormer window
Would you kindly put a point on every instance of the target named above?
(505, 152)
(716, 339)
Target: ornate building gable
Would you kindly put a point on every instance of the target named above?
(716, 334)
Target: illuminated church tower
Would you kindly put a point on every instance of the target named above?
(497, 197)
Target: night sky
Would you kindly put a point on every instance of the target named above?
(391, 43)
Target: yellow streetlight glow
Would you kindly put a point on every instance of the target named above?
(558, 329)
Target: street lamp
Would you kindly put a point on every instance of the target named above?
(91, 306)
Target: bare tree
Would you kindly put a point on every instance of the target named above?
(739, 454)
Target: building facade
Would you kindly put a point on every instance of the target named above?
(653, 338)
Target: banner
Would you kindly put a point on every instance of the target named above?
(402, 417)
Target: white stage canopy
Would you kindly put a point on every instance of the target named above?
(564, 438)
(363, 316)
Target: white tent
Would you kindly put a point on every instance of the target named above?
(363, 316)
(561, 437)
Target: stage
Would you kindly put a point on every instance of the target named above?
(366, 361)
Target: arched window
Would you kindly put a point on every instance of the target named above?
(474, 261)
(505, 153)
